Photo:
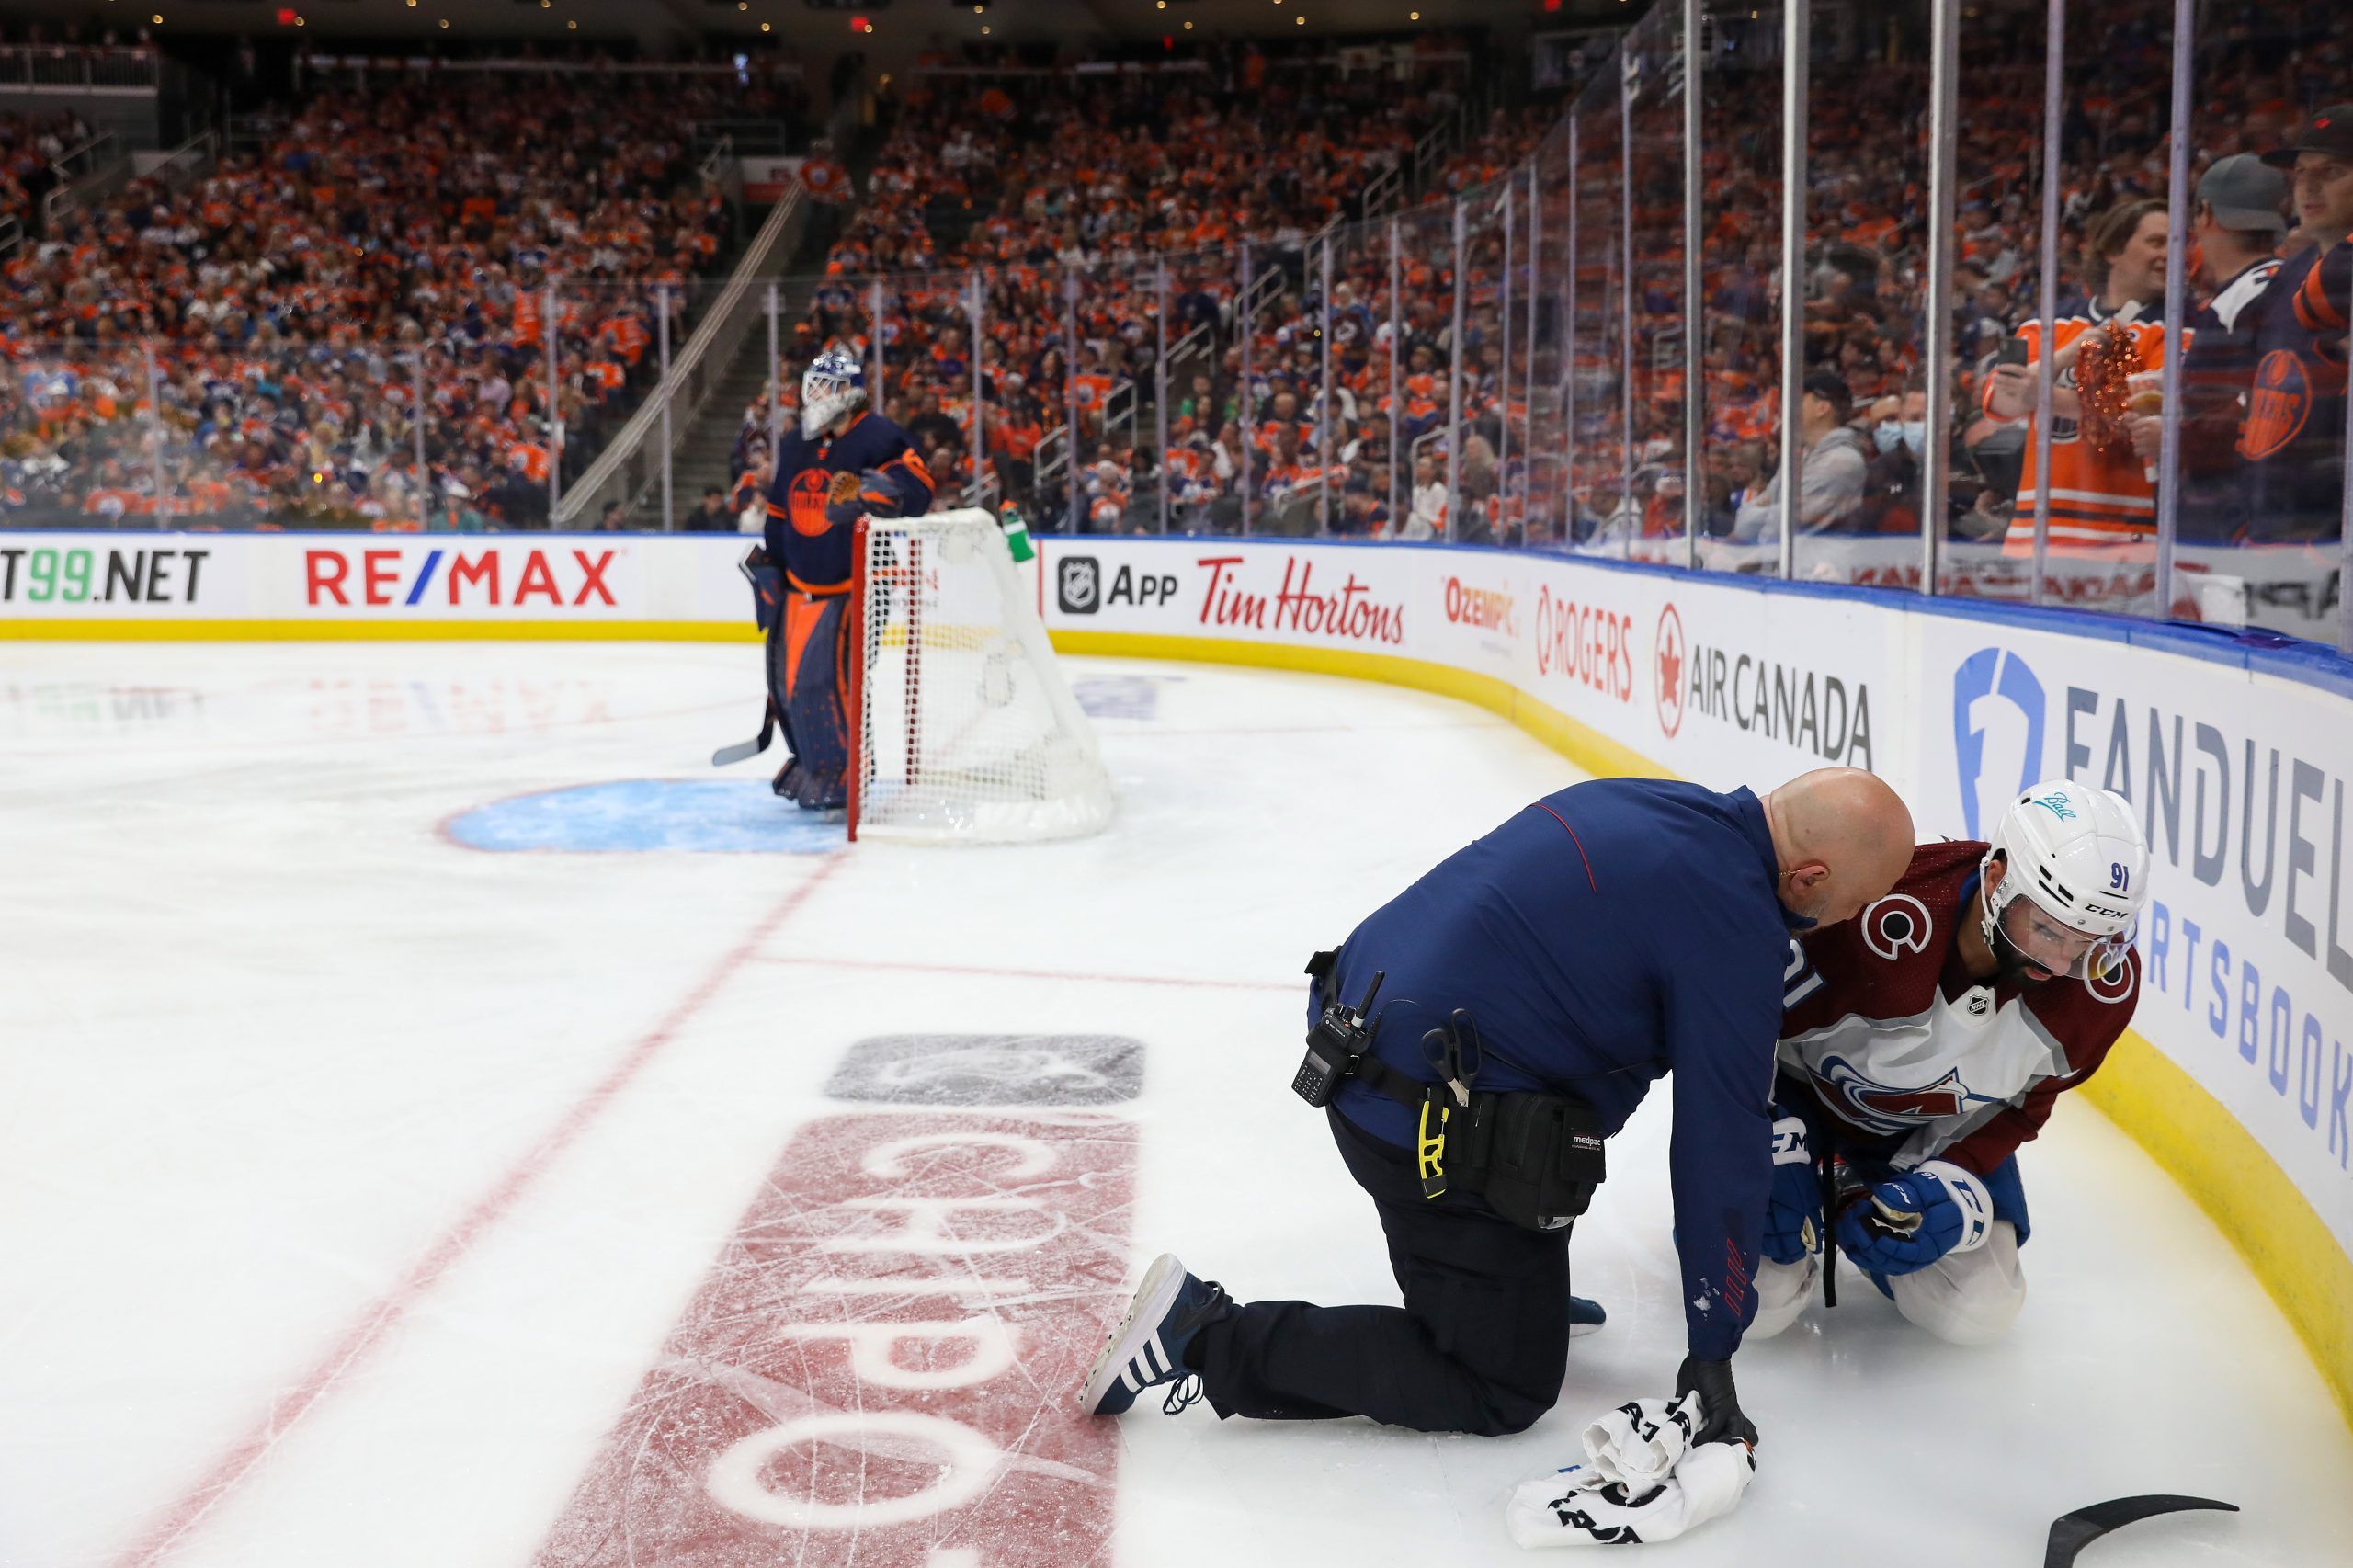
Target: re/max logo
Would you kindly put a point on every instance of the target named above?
(479, 577)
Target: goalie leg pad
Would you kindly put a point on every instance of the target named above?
(1968, 1297)
(816, 706)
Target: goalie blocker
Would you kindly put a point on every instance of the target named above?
(962, 727)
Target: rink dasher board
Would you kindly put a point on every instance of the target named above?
(2237, 755)
(325, 585)
(2239, 1075)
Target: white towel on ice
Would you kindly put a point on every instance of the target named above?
(1643, 1480)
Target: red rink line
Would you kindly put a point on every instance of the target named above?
(385, 1313)
(1080, 975)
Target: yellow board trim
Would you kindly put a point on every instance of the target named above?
(67, 629)
(2183, 1126)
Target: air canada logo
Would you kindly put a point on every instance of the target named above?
(1884, 1109)
(1897, 923)
(1670, 671)
(1078, 584)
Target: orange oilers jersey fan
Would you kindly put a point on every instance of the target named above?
(2096, 496)
(843, 462)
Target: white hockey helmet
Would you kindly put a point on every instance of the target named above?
(833, 385)
(2079, 856)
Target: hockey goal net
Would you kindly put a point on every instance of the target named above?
(963, 727)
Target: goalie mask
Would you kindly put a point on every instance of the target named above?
(833, 384)
(2075, 876)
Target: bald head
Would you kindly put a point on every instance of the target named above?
(1841, 838)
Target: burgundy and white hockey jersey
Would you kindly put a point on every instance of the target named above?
(1916, 1058)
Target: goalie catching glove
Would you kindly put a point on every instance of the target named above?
(1911, 1221)
(874, 493)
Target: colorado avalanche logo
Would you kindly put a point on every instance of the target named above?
(1884, 1109)
(1896, 925)
(2112, 984)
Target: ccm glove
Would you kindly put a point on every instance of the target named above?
(1916, 1218)
(1719, 1402)
(1794, 1212)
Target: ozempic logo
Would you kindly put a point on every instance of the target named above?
(1998, 713)
(1078, 584)
(1670, 671)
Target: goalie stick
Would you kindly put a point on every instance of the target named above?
(2070, 1533)
(728, 755)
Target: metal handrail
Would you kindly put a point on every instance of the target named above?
(77, 68)
(1120, 408)
(71, 188)
(773, 65)
(1196, 341)
(1052, 456)
(715, 161)
(189, 160)
(634, 461)
(12, 235)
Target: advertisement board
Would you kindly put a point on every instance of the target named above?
(552, 584)
(2239, 776)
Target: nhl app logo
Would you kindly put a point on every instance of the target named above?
(1078, 584)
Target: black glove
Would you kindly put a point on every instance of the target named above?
(1712, 1379)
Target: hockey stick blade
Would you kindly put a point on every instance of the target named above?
(2070, 1533)
(726, 756)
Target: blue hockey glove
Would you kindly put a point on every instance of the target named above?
(1794, 1212)
(1912, 1220)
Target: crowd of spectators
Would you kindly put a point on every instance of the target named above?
(2258, 81)
(1065, 197)
(255, 343)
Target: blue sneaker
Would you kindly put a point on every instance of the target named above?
(1148, 1348)
(1585, 1316)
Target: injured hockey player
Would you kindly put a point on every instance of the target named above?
(1926, 1040)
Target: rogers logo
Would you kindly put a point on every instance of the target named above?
(1480, 606)
(1670, 671)
(1589, 644)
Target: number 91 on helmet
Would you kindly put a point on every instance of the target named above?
(2064, 879)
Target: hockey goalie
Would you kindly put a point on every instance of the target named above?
(845, 463)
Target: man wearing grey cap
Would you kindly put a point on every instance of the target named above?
(2292, 435)
(2237, 224)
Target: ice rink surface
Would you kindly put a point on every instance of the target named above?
(353, 1179)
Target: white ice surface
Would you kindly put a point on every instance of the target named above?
(266, 1037)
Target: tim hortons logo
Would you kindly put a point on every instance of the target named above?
(1349, 612)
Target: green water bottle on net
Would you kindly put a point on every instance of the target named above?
(1017, 532)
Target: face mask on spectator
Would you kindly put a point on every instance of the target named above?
(1910, 433)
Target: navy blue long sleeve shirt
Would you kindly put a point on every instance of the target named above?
(1606, 937)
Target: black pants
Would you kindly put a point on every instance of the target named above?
(1480, 1346)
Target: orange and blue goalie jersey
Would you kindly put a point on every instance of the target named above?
(813, 550)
